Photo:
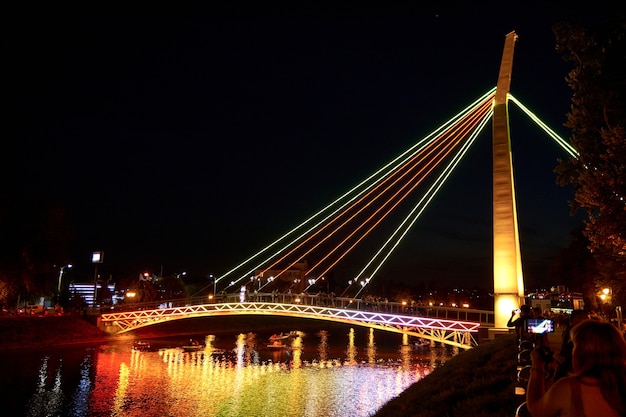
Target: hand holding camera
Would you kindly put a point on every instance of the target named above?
(541, 357)
(546, 354)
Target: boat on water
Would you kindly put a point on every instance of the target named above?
(422, 343)
(193, 346)
(285, 336)
(141, 345)
(276, 345)
(279, 337)
(283, 340)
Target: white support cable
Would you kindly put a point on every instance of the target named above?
(562, 142)
(423, 202)
(411, 156)
(426, 199)
(312, 228)
(406, 155)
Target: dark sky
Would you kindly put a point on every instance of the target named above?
(188, 142)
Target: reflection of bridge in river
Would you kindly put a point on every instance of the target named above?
(452, 326)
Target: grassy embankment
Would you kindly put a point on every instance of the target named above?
(475, 383)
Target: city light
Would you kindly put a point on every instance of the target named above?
(97, 257)
(605, 295)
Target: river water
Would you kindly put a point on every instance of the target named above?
(351, 373)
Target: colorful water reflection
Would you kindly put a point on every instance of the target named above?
(304, 379)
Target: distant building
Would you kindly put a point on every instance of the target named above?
(557, 299)
(86, 292)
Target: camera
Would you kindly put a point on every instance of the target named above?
(540, 326)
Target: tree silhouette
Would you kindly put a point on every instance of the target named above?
(35, 238)
(597, 120)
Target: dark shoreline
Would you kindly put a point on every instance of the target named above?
(35, 332)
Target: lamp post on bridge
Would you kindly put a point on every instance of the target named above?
(327, 285)
(350, 282)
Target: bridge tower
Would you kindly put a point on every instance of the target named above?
(507, 261)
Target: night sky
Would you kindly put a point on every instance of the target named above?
(188, 142)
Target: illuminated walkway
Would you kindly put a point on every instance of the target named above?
(437, 324)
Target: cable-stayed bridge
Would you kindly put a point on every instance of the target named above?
(382, 208)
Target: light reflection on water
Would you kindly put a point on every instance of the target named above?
(306, 378)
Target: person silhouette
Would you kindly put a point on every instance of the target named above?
(518, 320)
(597, 383)
(564, 356)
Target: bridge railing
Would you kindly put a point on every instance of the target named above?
(484, 317)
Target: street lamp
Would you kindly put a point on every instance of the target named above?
(61, 270)
(605, 294)
(96, 258)
(347, 288)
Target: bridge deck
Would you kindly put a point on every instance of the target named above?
(384, 316)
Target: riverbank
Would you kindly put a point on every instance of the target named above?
(34, 332)
(475, 383)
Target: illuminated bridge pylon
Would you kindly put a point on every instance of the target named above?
(508, 278)
(450, 332)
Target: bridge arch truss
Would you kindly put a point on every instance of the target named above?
(455, 333)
